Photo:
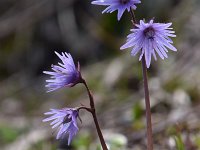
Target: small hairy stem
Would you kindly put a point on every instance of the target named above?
(148, 108)
(146, 93)
(103, 144)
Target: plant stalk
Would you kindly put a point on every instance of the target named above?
(148, 108)
(93, 111)
(146, 93)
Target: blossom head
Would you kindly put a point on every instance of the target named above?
(64, 74)
(120, 5)
(66, 120)
(150, 38)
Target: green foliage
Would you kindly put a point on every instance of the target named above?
(197, 141)
(138, 125)
(137, 111)
(193, 93)
(179, 142)
(82, 141)
(173, 84)
(175, 132)
(98, 147)
(8, 134)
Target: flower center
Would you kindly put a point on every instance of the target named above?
(67, 119)
(124, 1)
(149, 33)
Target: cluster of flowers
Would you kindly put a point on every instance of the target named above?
(64, 74)
(147, 38)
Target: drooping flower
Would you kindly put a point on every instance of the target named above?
(149, 39)
(63, 75)
(120, 5)
(66, 120)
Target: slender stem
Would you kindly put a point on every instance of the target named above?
(93, 111)
(90, 95)
(85, 108)
(148, 108)
(147, 99)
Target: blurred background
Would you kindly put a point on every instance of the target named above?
(30, 32)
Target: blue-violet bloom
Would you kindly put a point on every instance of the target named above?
(64, 74)
(150, 38)
(120, 5)
(66, 120)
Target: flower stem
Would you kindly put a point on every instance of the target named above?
(146, 93)
(85, 108)
(93, 111)
(148, 108)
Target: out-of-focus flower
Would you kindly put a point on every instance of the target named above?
(150, 38)
(66, 120)
(65, 74)
(120, 5)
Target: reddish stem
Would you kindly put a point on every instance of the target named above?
(93, 111)
(148, 108)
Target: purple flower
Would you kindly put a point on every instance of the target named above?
(65, 74)
(150, 38)
(66, 120)
(120, 5)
